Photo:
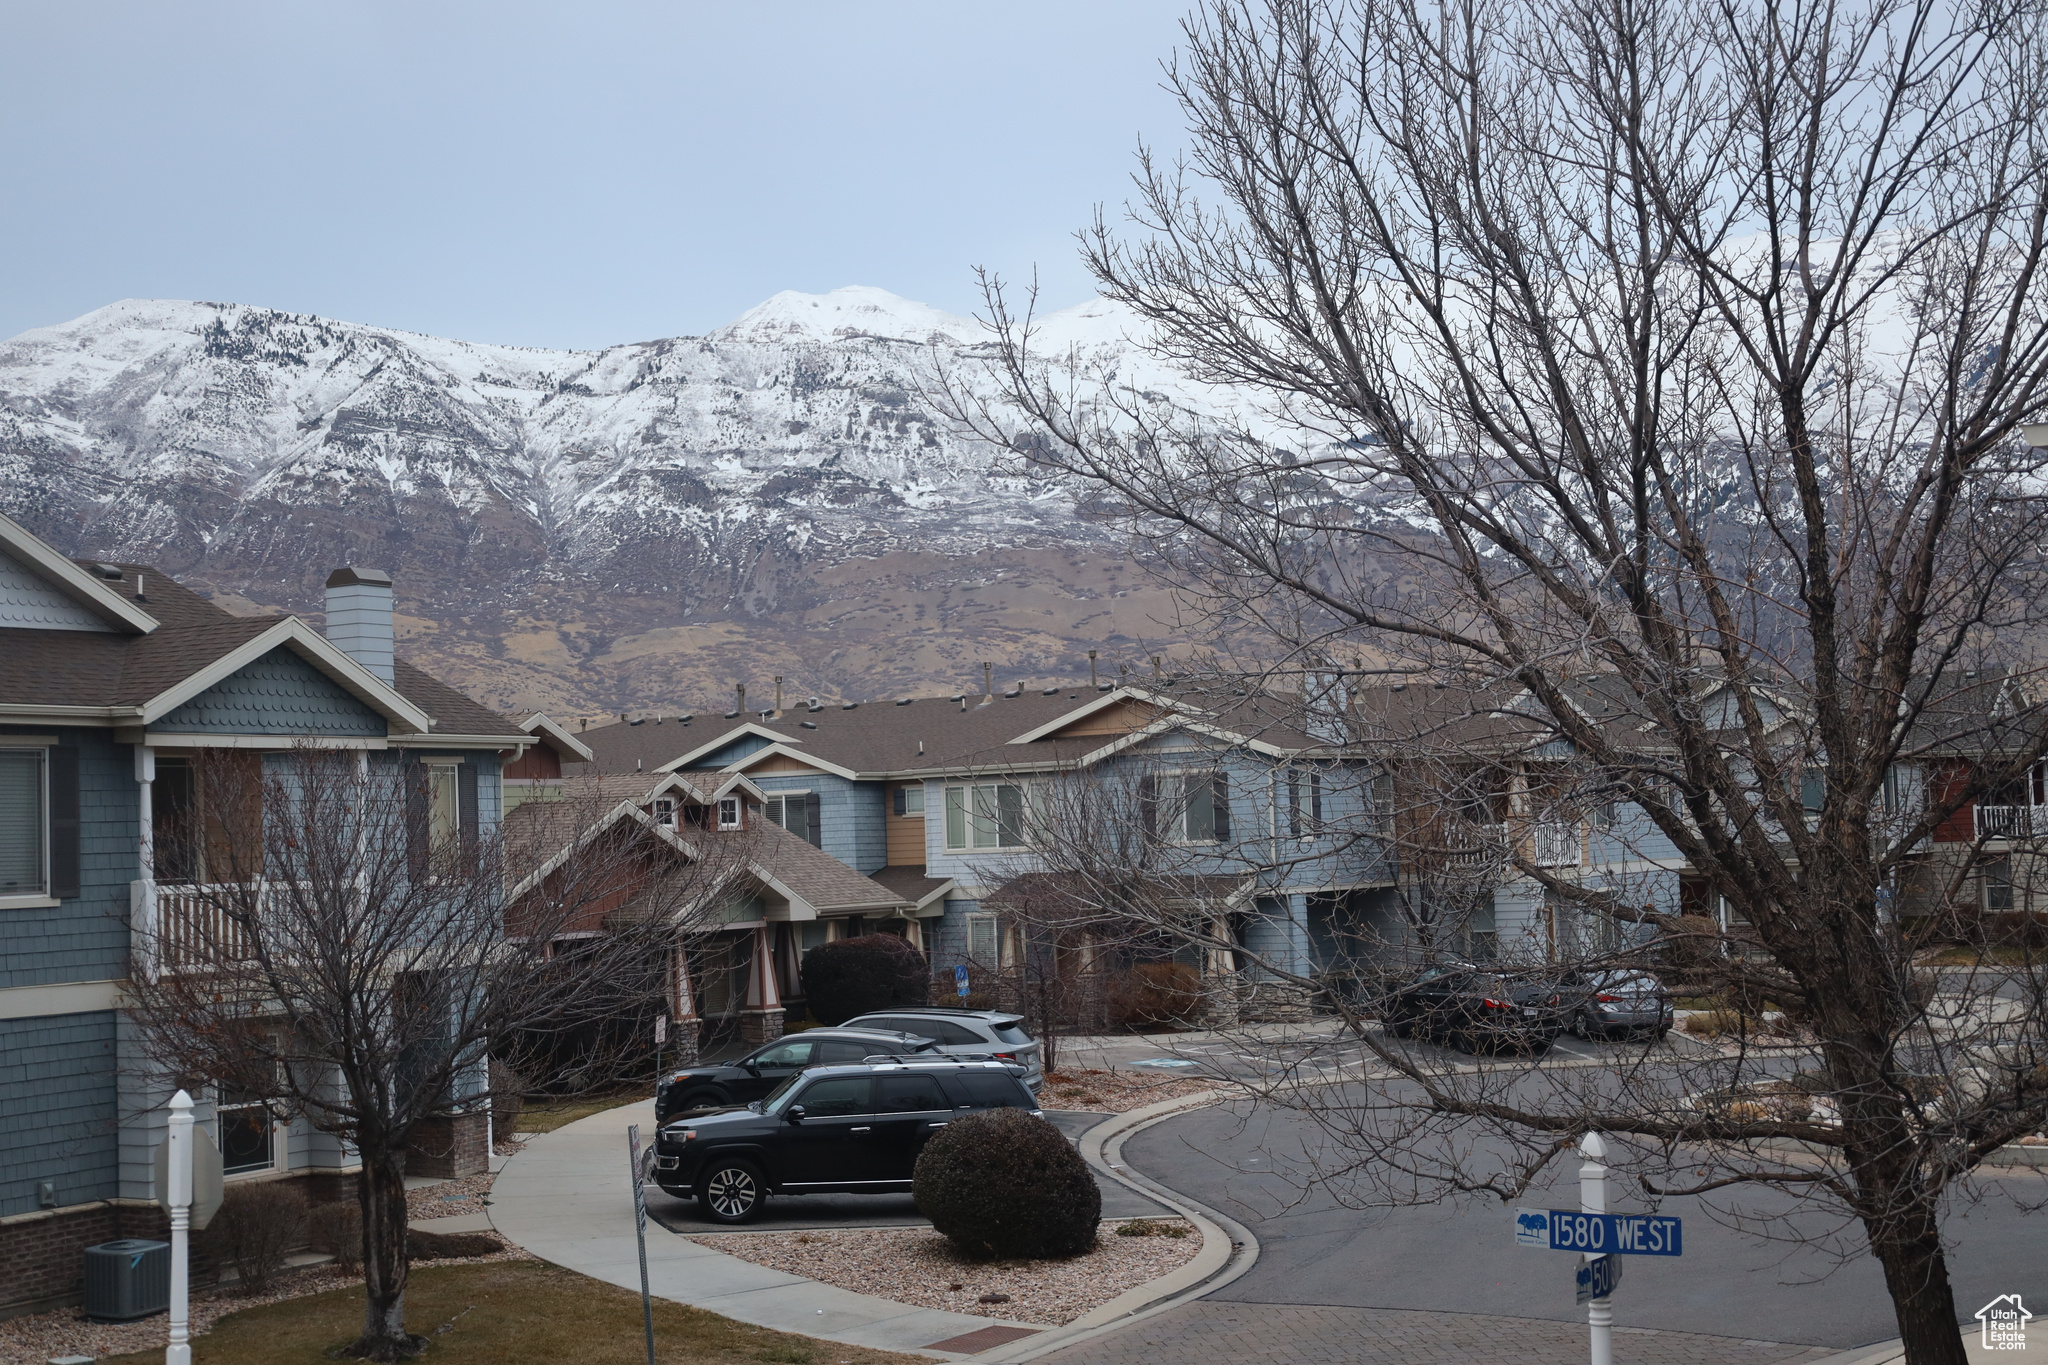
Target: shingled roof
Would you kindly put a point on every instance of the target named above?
(926, 734)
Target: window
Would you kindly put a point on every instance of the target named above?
(784, 1054)
(836, 1097)
(21, 823)
(909, 1095)
(728, 812)
(1191, 808)
(1304, 803)
(986, 1090)
(664, 810)
(796, 812)
(845, 1052)
(444, 804)
(981, 939)
(247, 1130)
(987, 815)
(1482, 939)
(1998, 884)
(910, 800)
(1813, 790)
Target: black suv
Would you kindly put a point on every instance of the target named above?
(721, 1085)
(839, 1129)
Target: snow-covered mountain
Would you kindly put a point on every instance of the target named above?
(610, 529)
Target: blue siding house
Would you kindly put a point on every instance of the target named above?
(112, 678)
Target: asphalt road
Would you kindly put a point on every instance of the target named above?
(1461, 1259)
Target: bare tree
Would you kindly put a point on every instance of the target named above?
(330, 939)
(1685, 346)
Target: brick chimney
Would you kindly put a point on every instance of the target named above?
(359, 617)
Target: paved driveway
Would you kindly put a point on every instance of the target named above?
(1446, 1283)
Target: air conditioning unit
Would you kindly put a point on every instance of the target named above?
(127, 1279)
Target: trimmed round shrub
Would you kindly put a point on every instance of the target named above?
(1155, 993)
(862, 975)
(1003, 1184)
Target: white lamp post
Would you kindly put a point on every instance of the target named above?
(1593, 1199)
(179, 1171)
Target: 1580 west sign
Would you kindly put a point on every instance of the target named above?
(1599, 1234)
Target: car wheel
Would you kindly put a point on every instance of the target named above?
(731, 1191)
(1580, 1029)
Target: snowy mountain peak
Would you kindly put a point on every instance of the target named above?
(846, 314)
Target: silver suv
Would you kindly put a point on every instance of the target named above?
(994, 1033)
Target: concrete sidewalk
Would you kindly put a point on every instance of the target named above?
(568, 1199)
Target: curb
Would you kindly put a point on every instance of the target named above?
(1228, 1248)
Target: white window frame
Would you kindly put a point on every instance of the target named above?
(979, 925)
(785, 797)
(1178, 831)
(734, 819)
(959, 800)
(40, 895)
(444, 826)
(912, 795)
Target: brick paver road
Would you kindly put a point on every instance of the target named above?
(1296, 1334)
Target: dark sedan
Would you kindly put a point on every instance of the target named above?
(720, 1085)
(1474, 1009)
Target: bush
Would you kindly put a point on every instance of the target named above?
(1155, 993)
(257, 1224)
(448, 1246)
(508, 1099)
(1001, 1183)
(861, 975)
(337, 1230)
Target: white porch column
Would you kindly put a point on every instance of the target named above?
(143, 931)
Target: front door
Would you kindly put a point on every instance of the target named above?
(770, 1067)
(834, 1143)
(908, 1110)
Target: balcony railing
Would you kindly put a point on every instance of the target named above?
(1554, 844)
(2011, 822)
(188, 928)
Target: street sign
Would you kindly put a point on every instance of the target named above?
(1598, 1277)
(660, 1029)
(1599, 1234)
(206, 1175)
(960, 979)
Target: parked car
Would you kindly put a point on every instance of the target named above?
(832, 1129)
(967, 1033)
(1610, 1004)
(720, 1085)
(1475, 1009)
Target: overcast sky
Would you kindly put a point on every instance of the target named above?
(560, 175)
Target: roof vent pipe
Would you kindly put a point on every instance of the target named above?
(359, 618)
(740, 698)
(778, 694)
(1091, 668)
(988, 679)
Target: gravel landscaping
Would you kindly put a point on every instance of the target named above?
(919, 1267)
(449, 1197)
(1115, 1092)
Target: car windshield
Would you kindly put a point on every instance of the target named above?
(772, 1102)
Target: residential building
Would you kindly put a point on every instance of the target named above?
(113, 679)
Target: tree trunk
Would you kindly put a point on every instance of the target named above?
(381, 1192)
(1907, 1243)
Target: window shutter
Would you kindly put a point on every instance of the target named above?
(465, 796)
(412, 775)
(811, 830)
(1219, 790)
(1148, 804)
(1294, 805)
(64, 853)
(1315, 798)
(903, 800)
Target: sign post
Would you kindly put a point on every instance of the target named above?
(639, 1231)
(1593, 1199)
(179, 1169)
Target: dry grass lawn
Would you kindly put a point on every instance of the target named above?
(511, 1313)
(541, 1117)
